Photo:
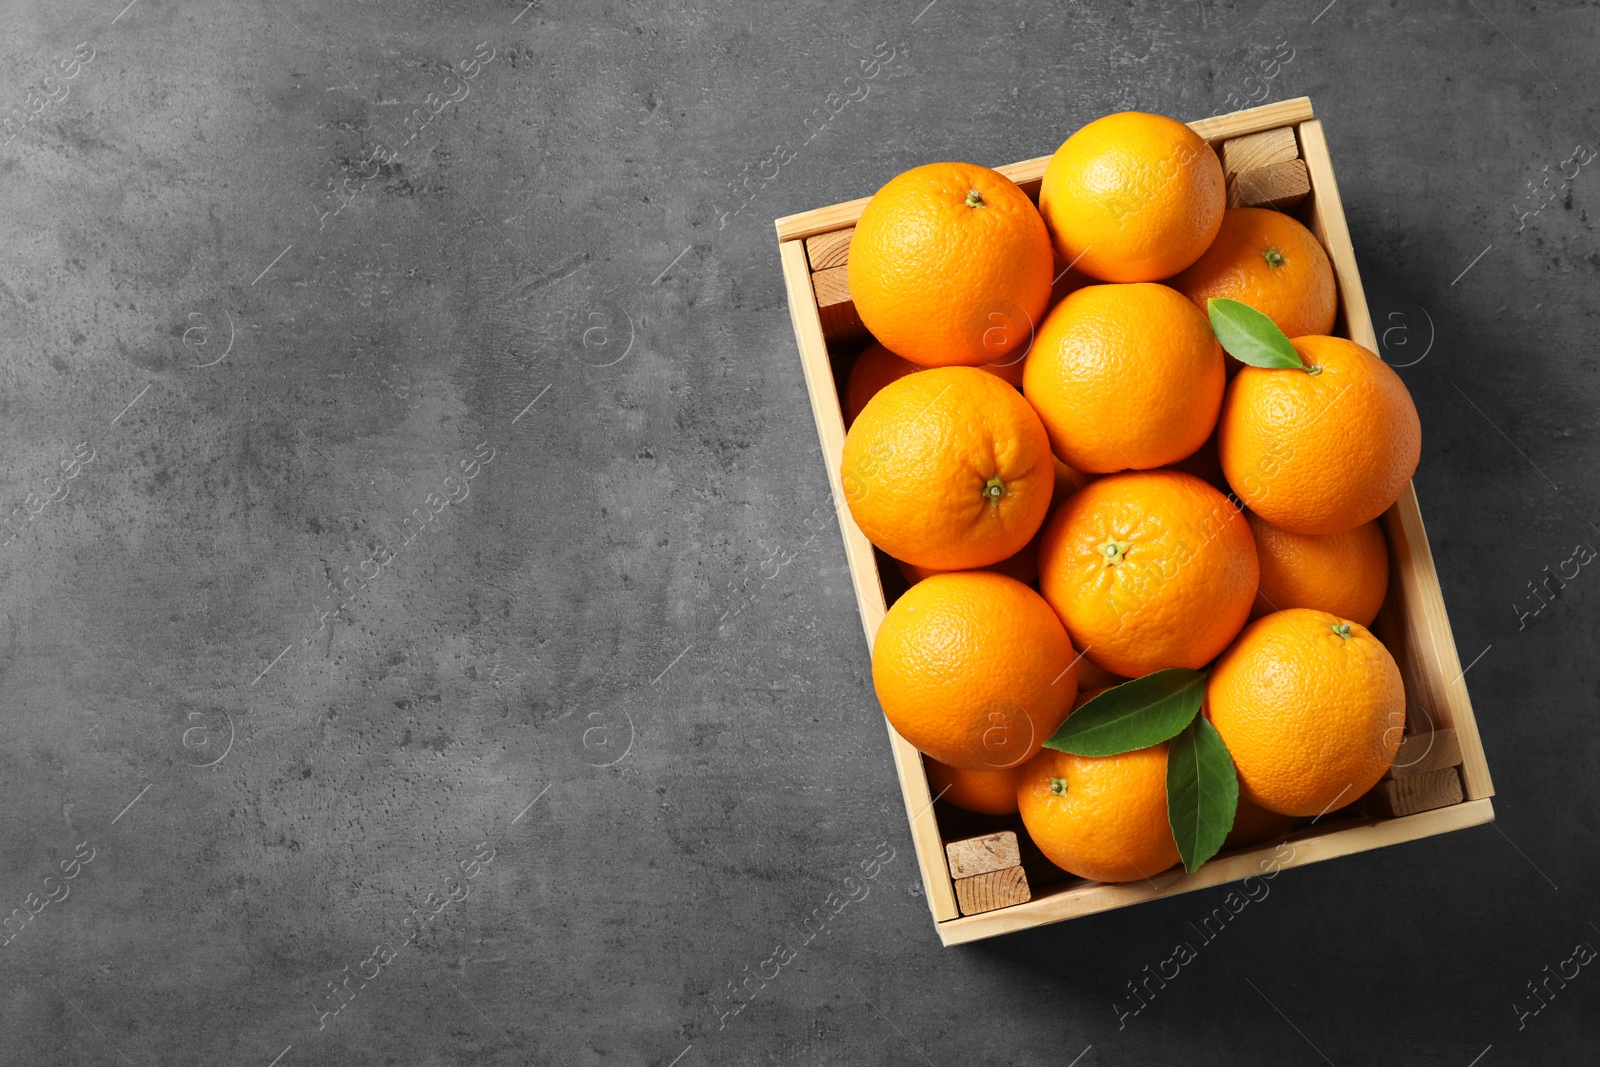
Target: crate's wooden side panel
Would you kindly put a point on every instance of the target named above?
(1428, 639)
(1431, 639)
(1390, 628)
(863, 566)
(830, 428)
(1254, 120)
(821, 220)
(1328, 223)
(1085, 898)
(1028, 172)
(918, 796)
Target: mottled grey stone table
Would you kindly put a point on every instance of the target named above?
(398, 399)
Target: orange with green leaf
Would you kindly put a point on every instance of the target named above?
(1317, 435)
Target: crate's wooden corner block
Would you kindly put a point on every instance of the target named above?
(1414, 793)
(1425, 752)
(981, 855)
(1256, 150)
(832, 286)
(827, 250)
(996, 889)
(837, 311)
(1280, 186)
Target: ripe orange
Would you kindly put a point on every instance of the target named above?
(1101, 818)
(1095, 679)
(950, 264)
(1009, 368)
(1086, 695)
(974, 669)
(1323, 452)
(1125, 376)
(1024, 566)
(1204, 463)
(1148, 571)
(1068, 280)
(1253, 824)
(948, 468)
(876, 367)
(1068, 481)
(1311, 708)
(873, 369)
(1344, 573)
(1266, 259)
(1133, 197)
(986, 792)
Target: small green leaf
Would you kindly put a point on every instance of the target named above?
(1134, 715)
(1202, 792)
(1250, 337)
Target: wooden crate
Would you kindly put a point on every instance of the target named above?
(1413, 623)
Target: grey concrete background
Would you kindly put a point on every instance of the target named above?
(669, 767)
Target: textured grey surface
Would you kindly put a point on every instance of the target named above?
(703, 756)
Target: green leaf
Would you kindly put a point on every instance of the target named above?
(1134, 715)
(1250, 337)
(1202, 792)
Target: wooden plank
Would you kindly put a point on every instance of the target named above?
(1422, 753)
(1428, 633)
(829, 249)
(993, 890)
(1071, 900)
(1028, 172)
(1289, 112)
(1280, 187)
(824, 395)
(1253, 150)
(980, 855)
(1412, 576)
(821, 220)
(1408, 795)
(924, 826)
(1390, 628)
(1328, 223)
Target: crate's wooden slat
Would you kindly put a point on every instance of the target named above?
(1028, 172)
(829, 249)
(1390, 628)
(1421, 753)
(1428, 632)
(992, 890)
(821, 220)
(924, 826)
(1328, 224)
(1435, 668)
(980, 855)
(1253, 120)
(1281, 186)
(1413, 793)
(1428, 635)
(863, 566)
(1074, 899)
(1253, 150)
